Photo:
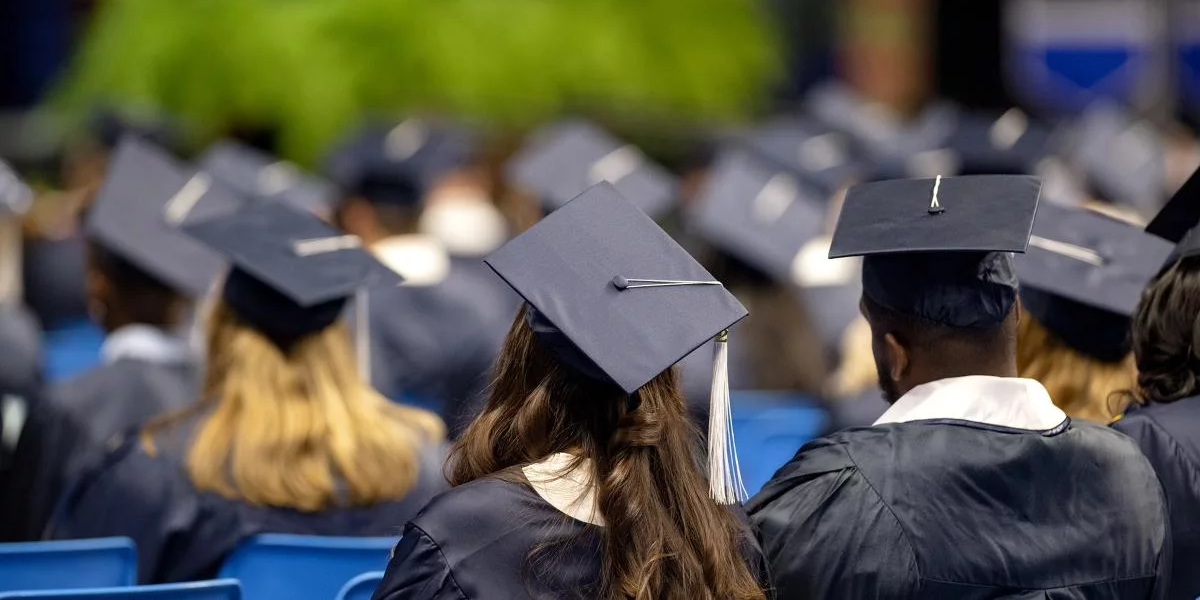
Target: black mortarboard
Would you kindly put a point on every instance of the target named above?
(1123, 158)
(397, 163)
(256, 174)
(759, 213)
(1084, 275)
(1180, 214)
(137, 214)
(940, 249)
(110, 126)
(819, 155)
(616, 298)
(291, 272)
(561, 161)
(1007, 144)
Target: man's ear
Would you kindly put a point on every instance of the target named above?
(897, 357)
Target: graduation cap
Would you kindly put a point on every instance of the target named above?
(615, 298)
(940, 249)
(256, 174)
(110, 126)
(1008, 144)
(1083, 277)
(1123, 159)
(291, 272)
(146, 197)
(563, 160)
(1179, 217)
(821, 156)
(397, 163)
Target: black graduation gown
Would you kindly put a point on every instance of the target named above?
(182, 534)
(431, 346)
(476, 541)
(959, 510)
(1169, 436)
(68, 430)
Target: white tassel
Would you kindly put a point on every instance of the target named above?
(724, 474)
(362, 335)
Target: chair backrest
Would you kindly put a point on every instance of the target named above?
(303, 567)
(70, 564)
(221, 589)
(361, 587)
(769, 427)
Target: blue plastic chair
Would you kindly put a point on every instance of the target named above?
(769, 427)
(71, 349)
(361, 587)
(302, 567)
(70, 564)
(222, 589)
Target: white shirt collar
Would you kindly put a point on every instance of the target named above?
(145, 343)
(570, 491)
(420, 259)
(1003, 401)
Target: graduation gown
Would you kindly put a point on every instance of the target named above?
(69, 429)
(183, 534)
(1169, 436)
(959, 509)
(477, 540)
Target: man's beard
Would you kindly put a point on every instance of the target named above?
(888, 387)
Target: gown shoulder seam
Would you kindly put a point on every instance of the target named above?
(446, 561)
(912, 551)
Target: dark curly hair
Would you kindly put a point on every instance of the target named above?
(1166, 334)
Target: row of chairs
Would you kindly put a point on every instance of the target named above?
(265, 567)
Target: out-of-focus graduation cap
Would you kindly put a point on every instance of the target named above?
(256, 174)
(1123, 158)
(145, 199)
(1084, 275)
(940, 249)
(110, 126)
(398, 162)
(1177, 221)
(562, 160)
(613, 296)
(1008, 144)
(880, 131)
(15, 197)
(819, 155)
(291, 272)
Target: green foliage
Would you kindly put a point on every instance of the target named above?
(310, 68)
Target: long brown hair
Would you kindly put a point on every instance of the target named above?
(663, 536)
(1166, 335)
(297, 427)
(1084, 387)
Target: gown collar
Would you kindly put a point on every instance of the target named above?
(570, 491)
(1012, 402)
(145, 343)
(420, 259)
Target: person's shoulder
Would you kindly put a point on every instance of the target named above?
(819, 457)
(478, 512)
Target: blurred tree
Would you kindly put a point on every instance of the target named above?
(307, 69)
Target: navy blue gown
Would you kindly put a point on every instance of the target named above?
(1169, 436)
(183, 534)
(492, 538)
(960, 510)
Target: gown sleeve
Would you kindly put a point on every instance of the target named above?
(418, 571)
(826, 533)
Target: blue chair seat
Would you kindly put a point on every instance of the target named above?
(769, 427)
(224, 589)
(361, 587)
(69, 564)
(303, 567)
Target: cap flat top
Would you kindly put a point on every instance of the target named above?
(565, 267)
(1090, 258)
(293, 252)
(759, 213)
(978, 213)
(254, 173)
(561, 161)
(145, 199)
(1180, 214)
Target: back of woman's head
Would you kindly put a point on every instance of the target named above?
(295, 426)
(1166, 334)
(1083, 386)
(663, 536)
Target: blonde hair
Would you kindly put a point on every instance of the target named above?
(856, 373)
(1082, 386)
(297, 428)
